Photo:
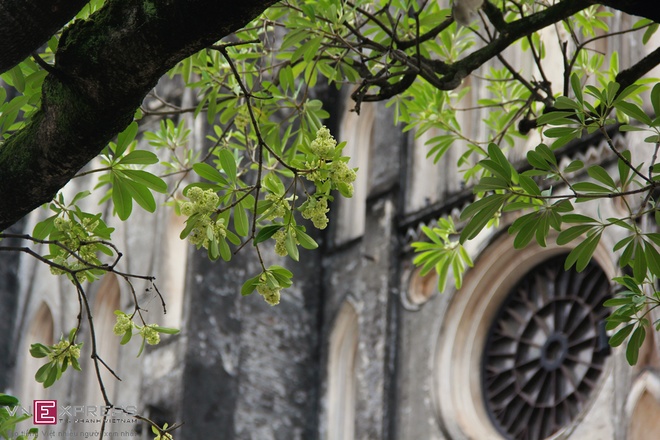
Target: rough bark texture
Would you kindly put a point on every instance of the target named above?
(26, 25)
(104, 68)
(640, 8)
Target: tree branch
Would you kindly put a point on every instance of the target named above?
(29, 24)
(107, 65)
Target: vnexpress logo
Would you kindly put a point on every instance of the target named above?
(44, 412)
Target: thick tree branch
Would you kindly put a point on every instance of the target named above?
(106, 65)
(28, 24)
(641, 8)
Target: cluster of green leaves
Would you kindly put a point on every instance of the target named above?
(9, 418)
(60, 355)
(75, 238)
(223, 208)
(269, 283)
(128, 184)
(501, 188)
(632, 308)
(442, 253)
(26, 79)
(150, 333)
(161, 433)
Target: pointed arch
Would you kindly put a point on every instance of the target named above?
(342, 375)
(107, 343)
(357, 132)
(41, 330)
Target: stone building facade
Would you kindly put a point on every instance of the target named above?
(361, 347)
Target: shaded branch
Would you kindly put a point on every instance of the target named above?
(29, 24)
(108, 64)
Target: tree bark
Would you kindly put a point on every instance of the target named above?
(29, 24)
(103, 69)
(641, 8)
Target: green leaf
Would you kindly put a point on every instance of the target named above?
(81, 195)
(7, 400)
(144, 341)
(281, 270)
(528, 184)
(496, 154)
(649, 33)
(305, 240)
(121, 197)
(42, 373)
(266, 232)
(139, 157)
(213, 249)
(581, 254)
(228, 164)
(291, 245)
(282, 276)
(145, 178)
(225, 252)
(481, 212)
(615, 302)
(564, 103)
(39, 350)
(556, 118)
(491, 184)
(166, 330)
(75, 364)
(577, 87)
(141, 195)
(570, 234)
(617, 338)
(127, 336)
(496, 169)
(53, 374)
(526, 227)
(537, 161)
(655, 99)
(250, 285)
(634, 111)
(547, 154)
(274, 184)
(590, 187)
(125, 138)
(652, 258)
(241, 222)
(634, 344)
(191, 223)
(578, 218)
(624, 169)
(43, 228)
(206, 171)
(598, 173)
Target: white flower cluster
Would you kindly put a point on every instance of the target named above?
(315, 209)
(203, 203)
(62, 347)
(75, 237)
(271, 295)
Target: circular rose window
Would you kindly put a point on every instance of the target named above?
(545, 350)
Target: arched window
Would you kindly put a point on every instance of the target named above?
(107, 343)
(357, 132)
(174, 278)
(341, 375)
(643, 407)
(41, 330)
